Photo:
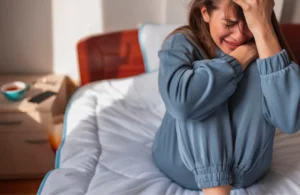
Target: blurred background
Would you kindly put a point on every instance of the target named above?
(40, 36)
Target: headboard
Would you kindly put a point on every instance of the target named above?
(118, 54)
(108, 56)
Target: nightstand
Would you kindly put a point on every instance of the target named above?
(24, 147)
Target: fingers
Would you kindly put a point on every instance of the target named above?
(245, 6)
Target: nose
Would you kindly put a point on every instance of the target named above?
(241, 33)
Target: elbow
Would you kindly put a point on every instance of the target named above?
(288, 128)
(289, 131)
(286, 124)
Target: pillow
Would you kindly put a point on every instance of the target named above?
(151, 37)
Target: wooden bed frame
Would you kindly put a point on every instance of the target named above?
(118, 54)
(108, 56)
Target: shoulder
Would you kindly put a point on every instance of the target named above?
(183, 40)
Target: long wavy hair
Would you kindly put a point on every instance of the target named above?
(200, 29)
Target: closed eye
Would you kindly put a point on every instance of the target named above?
(230, 24)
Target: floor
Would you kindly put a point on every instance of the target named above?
(19, 187)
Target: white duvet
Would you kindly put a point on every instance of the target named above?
(108, 134)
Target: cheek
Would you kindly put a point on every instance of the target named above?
(221, 33)
(224, 31)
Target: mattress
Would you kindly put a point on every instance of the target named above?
(107, 139)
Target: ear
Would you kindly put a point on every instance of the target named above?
(205, 14)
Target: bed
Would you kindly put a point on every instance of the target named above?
(106, 148)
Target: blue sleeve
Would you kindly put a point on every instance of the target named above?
(280, 81)
(191, 88)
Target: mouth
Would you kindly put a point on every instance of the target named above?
(232, 45)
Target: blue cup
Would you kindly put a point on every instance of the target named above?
(14, 91)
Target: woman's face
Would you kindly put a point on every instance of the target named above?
(227, 32)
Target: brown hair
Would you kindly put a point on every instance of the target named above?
(200, 29)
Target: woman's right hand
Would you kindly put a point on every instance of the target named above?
(245, 54)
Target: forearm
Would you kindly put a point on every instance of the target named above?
(243, 56)
(267, 42)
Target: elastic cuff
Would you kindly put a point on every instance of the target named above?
(237, 177)
(213, 176)
(274, 63)
(235, 65)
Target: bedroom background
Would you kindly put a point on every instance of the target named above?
(40, 36)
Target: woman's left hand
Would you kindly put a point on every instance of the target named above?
(257, 13)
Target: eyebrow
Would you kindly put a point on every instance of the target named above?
(231, 21)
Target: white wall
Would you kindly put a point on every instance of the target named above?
(73, 20)
(26, 36)
(278, 8)
(176, 11)
(41, 35)
(128, 14)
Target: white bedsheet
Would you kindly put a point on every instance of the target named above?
(109, 130)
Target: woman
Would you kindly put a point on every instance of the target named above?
(227, 81)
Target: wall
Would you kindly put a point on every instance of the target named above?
(73, 20)
(176, 11)
(26, 36)
(40, 36)
(128, 14)
(290, 12)
(278, 8)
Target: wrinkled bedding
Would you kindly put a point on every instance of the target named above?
(108, 134)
